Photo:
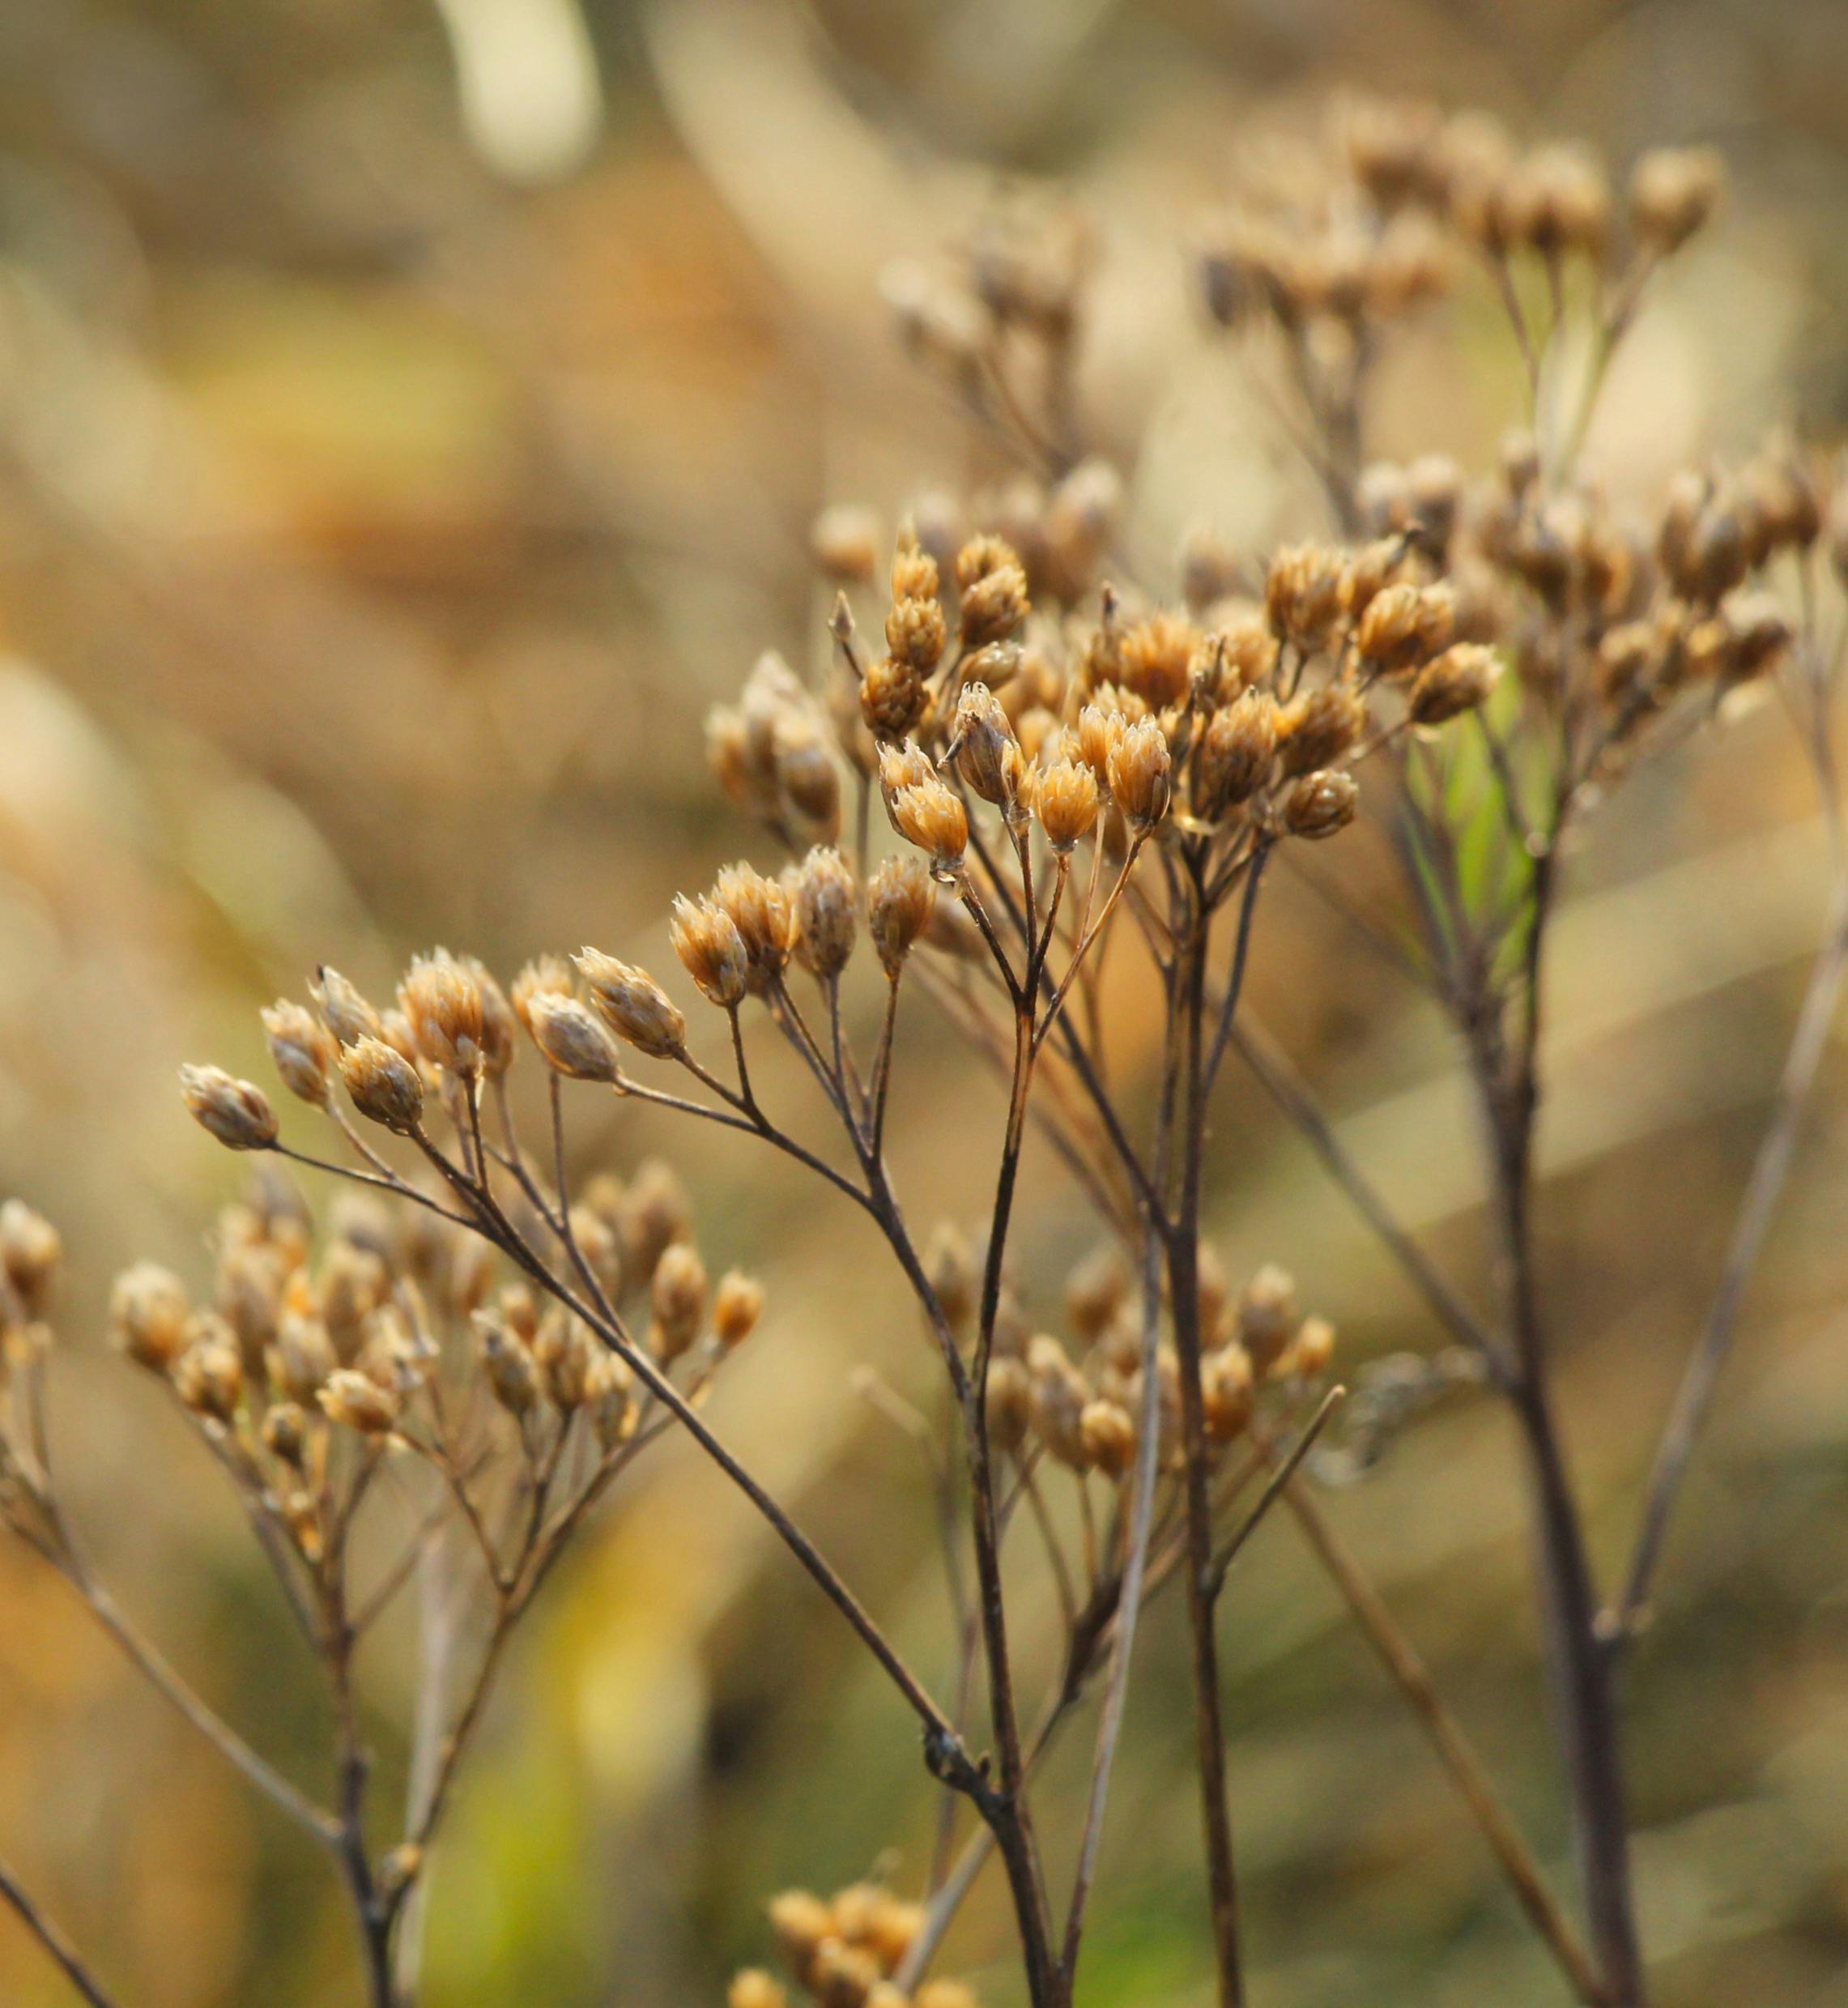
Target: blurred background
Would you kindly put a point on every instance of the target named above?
(410, 421)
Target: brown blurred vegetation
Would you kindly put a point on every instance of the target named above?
(409, 420)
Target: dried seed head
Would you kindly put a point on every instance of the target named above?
(1226, 1378)
(1065, 799)
(148, 1311)
(1100, 731)
(913, 570)
(1095, 1290)
(994, 606)
(1060, 1394)
(899, 905)
(986, 752)
(1316, 728)
(655, 1212)
(1673, 191)
(931, 816)
(284, 1434)
(754, 1988)
(1321, 803)
(563, 1353)
(384, 1086)
(1557, 200)
(302, 1358)
(1156, 657)
(1759, 635)
(711, 950)
(1458, 680)
(1267, 1316)
(678, 1298)
(915, 633)
(609, 1398)
(208, 1377)
(738, 1304)
(1109, 1436)
(303, 1049)
(357, 1402)
(344, 1012)
(1312, 1350)
(1405, 625)
(442, 1001)
(826, 912)
(1302, 594)
(765, 920)
(949, 1264)
(29, 1252)
(633, 1005)
(571, 1040)
(845, 542)
(1235, 753)
(236, 1112)
(893, 697)
(1009, 1403)
(507, 1361)
(1141, 769)
(500, 1028)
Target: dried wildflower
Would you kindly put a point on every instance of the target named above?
(632, 1004)
(1008, 1403)
(1405, 625)
(357, 1403)
(1317, 728)
(236, 1112)
(384, 1086)
(1312, 1350)
(1267, 1316)
(899, 904)
(760, 910)
(711, 950)
(572, 1039)
(283, 1434)
(29, 1252)
(801, 1923)
(302, 1358)
(655, 1213)
(826, 912)
(1226, 1382)
(738, 1304)
(148, 1311)
(1109, 1436)
(1140, 769)
(1302, 595)
(506, 1360)
(1457, 681)
(563, 1351)
(1673, 191)
(208, 1377)
(1321, 803)
(893, 698)
(546, 975)
(1060, 1394)
(344, 1012)
(931, 816)
(1065, 799)
(442, 1002)
(994, 605)
(1156, 658)
(303, 1050)
(500, 1025)
(1557, 201)
(678, 1299)
(609, 1398)
(1234, 754)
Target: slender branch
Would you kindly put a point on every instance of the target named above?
(58, 1947)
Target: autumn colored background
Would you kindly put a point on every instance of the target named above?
(411, 418)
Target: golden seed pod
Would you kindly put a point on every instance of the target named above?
(711, 950)
(546, 975)
(808, 780)
(29, 1252)
(931, 816)
(302, 1358)
(1226, 1383)
(1109, 1436)
(208, 1376)
(633, 1005)
(385, 1086)
(507, 1362)
(1266, 1315)
(1100, 732)
(843, 1975)
(344, 1012)
(1008, 1403)
(500, 1025)
(994, 606)
(1457, 681)
(609, 1398)
(1405, 625)
(654, 1212)
(148, 1312)
(564, 1351)
(760, 911)
(1097, 1288)
(678, 1298)
(893, 697)
(826, 912)
(1302, 594)
(442, 1002)
(1141, 774)
(303, 1049)
(1320, 804)
(844, 542)
(284, 1434)
(801, 1923)
(1235, 753)
(1060, 1394)
(1065, 799)
(357, 1402)
(913, 570)
(236, 1112)
(1312, 1350)
(1673, 191)
(1316, 728)
(949, 1262)
(737, 1305)
(899, 904)
(1156, 658)
(916, 634)
(572, 1039)
(1557, 200)
(754, 1988)
(986, 752)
